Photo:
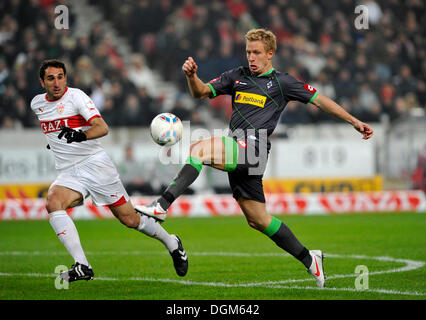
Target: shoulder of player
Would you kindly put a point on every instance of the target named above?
(286, 78)
(236, 72)
(37, 99)
(76, 92)
(283, 75)
(229, 75)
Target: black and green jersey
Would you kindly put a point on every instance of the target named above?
(258, 101)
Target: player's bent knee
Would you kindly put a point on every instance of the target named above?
(126, 215)
(53, 204)
(206, 149)
(255, 224)
(194, 146)
(197, 149)
(129, 222)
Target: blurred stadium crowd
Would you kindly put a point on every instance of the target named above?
(373, 73)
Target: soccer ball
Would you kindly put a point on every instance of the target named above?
(166, 129)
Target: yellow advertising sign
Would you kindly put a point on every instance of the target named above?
(23, 191)
(323, 185)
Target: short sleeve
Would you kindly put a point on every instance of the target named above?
(221, 85)
(86, 106)
(296, 90)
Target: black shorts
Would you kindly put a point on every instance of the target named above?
(249, 164)
(247, 186)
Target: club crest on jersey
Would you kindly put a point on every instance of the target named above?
(60, 108)
(250, 98)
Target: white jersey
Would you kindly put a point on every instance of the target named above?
(74, 109)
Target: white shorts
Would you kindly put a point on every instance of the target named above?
(98, 177)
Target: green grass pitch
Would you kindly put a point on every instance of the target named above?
(227, 260)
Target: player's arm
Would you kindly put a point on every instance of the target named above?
(197, 87)
(331, 107)
(98, 128)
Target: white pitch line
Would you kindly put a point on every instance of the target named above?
(271, 285)
(223, 254)
(409, 265)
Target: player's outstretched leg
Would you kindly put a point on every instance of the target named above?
(185, 177)
(127, 215)
(78, 272)
(180, 260)
(283, 237)
(172, 242)
(280, 233)
(153, 210)
(317, 267)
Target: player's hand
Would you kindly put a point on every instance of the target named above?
(72, 135)
(364, 129)
(189, 67)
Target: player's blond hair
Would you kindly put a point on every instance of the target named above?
(267, 37)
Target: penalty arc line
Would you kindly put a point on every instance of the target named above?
(409, 265)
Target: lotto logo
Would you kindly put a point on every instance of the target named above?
(242, 143)
(310, 88)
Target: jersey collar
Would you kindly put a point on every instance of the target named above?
(267, 73)
(50, 100)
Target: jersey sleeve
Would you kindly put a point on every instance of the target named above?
(296, 90)
(221, 85)
(85, 106)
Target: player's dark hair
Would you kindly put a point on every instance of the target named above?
(51, 63)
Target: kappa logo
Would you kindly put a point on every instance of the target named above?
(250, 98)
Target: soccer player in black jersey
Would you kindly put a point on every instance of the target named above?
(259, 95)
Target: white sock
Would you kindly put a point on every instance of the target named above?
(153, 229)
(66, 231)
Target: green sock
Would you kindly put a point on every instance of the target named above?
(285, 239)
(185, 177)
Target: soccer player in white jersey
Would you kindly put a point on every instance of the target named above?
(72, 125)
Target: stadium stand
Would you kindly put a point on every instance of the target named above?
(375, 73)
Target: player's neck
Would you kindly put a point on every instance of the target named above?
(267, 71)
(51, 98)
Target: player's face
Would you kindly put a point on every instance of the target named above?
(259, 59)
(54, 82)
